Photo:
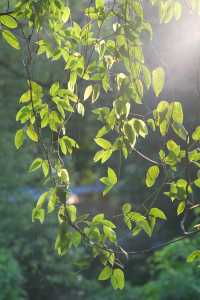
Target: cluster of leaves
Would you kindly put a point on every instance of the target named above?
(103, 56)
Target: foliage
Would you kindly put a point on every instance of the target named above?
(31, 245)
(171, 270)
(102, 55)
(11, 278)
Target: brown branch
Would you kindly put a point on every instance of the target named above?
(164, 244)
(146, 157)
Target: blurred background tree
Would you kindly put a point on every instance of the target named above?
(29, 266)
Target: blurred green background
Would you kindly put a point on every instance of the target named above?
(29, 267)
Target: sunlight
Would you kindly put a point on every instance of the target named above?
(179, 52)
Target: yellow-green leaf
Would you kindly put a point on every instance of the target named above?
(117, 279)
(42, 199)
(64, 176)
(196, 134)
(38, 214)
(32, 134)
(88, 92)
(19, 138)
(65, 14)
(105, 144)
(177, 112)
(158, 80)
(151, 176)
(177, 10)
(157, 213)
(181, 208)
(45, 167)
(11, 39)
(112, 176)
(105, 273)
(8, 21)
(36, 164)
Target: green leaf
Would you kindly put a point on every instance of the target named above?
(19, 138)
(112, 176)
(76, 238)
(180, 130)
(98, 156)
(106, 83)
(197, 182)
(106, 155)
(81, 109)
(196, 134)
(147, 77)
(138, 91)
(53, 199)
(71, 209)
(99, 4)
(177, 10)
(173, 147)
(95, 93)
(151, 176)
(32, 134)
(109, 233)
(129, 131)
(88, 92)
(8, 21)
(177, 112)
(63, 146)
(11, 39)
(45, 167)
(136, 231)
(195, 255)
(36, 164)
(98, 218)
(181, 208)
(63, 173)
(140, 128)
(105, 273)
(107, 189)
(42, 199)
(103, 143)
(65, 14)
(109, 181)
(138, 9)
(157, 213)
(158, 80)
(146, 227)
(54, 89)
(25, 97)
(117, 279)
(126, 208)
(38, 214)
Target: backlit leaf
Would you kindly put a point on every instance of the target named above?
(112, 176)
(181, 208)
(157, 213)
(19, 138)
(8, 21)
(196, 134)
(11, 39)
(36, 164)
(32, 134)
(151, 176)
(177, 112)
(117, 279)
(158, 80)
(105, 144)
(105, 273)
(88, 92)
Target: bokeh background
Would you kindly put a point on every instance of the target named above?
(29, 267)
